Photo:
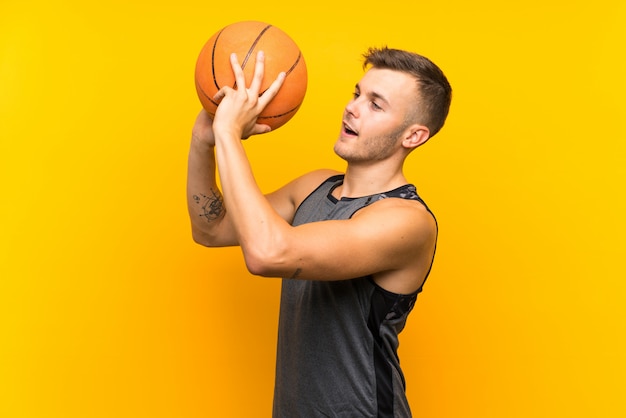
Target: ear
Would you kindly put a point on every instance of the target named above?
(416, 135)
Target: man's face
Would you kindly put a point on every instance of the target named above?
(376, 118)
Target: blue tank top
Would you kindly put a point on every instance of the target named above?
(337, 340)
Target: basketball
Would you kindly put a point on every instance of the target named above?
(213, 68)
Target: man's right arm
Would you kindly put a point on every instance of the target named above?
(209, 224)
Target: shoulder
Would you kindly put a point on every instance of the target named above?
(408, 218)
(405, 233)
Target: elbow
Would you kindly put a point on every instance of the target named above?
(202, 238)
(255, 267)
(264, 262)
(199, 239)
(257, 264)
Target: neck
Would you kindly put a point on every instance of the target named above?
(367, 180)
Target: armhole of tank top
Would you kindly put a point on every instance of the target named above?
(389, 294)
(432, 260)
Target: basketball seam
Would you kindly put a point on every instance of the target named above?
(254, 44)
(289, 71)
(279, 115)
(199, 87)
(243, 64)
(217, 87)
(295, 64)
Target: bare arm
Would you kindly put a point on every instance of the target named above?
(209, 224)
(254, 220)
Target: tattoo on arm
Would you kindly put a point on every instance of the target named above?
(212, 206)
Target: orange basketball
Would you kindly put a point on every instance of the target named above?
(213, 69)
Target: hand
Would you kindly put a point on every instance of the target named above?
(240, 107)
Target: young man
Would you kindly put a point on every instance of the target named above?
(353, 249)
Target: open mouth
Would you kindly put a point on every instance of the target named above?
(348, 130)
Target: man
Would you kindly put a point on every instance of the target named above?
(354, 249)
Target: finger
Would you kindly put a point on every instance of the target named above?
(221, 93)
(259, 70)
(240, 79)
(273, 89)
(258, 129)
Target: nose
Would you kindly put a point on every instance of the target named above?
(352, 108)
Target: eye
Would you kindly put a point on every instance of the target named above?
(375, 106)
(355, 95)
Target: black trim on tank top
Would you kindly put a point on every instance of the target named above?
(406, 191)
(385, 306)
(382, 368)
(328, 180)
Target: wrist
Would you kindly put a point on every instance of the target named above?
(201, 145)
(226, 133)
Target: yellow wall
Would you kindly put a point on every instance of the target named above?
(107, 309)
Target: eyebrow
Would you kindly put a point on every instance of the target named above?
(373, 94)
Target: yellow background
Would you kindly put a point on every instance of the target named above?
(107, 308)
